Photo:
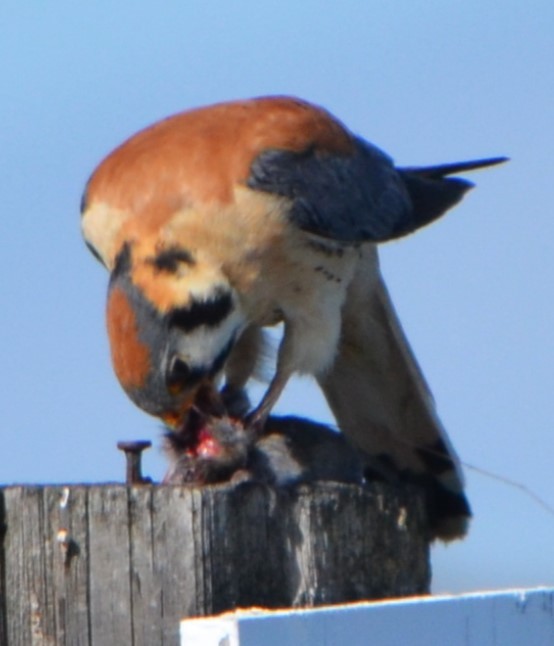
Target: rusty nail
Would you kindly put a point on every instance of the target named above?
(133, 454)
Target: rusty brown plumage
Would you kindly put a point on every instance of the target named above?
(130, 356)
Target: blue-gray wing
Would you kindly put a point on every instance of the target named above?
(360, 196)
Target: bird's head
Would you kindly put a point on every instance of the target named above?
(172, 321)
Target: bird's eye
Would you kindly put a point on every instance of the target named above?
(181, 375)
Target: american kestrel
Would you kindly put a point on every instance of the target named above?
(221, 221)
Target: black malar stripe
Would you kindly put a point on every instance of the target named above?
(169, 260)
(122, 263)
(210, 312)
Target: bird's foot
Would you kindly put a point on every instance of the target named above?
(236, 401)
(255, 421)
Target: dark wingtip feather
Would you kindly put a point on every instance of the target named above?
(444, 170)
(448, 511)
(433, 191)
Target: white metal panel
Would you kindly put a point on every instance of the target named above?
(507, 618)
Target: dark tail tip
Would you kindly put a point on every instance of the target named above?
(448, 512)
(444, 170)
(432, 191)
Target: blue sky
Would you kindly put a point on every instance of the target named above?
(428, 81)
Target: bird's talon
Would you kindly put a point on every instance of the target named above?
(255, 423)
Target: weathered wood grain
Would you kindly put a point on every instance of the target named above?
(68, 523)
(146, 587)
(112, 564)
(27, 556)
(175, 535)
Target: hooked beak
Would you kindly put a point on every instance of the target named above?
(204, 401)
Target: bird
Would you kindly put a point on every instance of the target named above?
(221, 221)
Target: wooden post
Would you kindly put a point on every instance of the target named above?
(117, 564)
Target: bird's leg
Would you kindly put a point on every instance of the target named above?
(258, 417)
(285, 367)
(240, 366)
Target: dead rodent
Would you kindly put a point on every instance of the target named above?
(290, 450)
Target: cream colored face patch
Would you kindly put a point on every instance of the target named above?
(168, 291)
(101, 225)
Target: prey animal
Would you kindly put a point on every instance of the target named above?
(290, 450)
(220, 221)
